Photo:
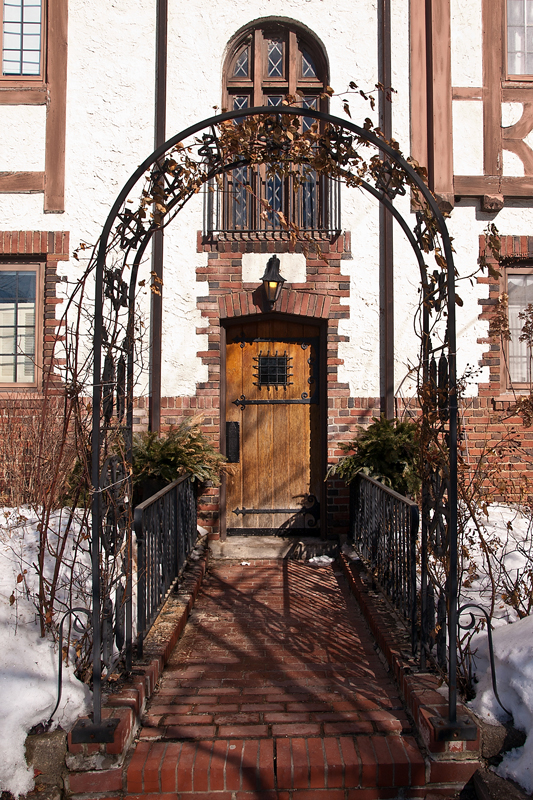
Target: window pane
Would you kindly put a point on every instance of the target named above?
(516, 40)
(12, 13)
(309, 200)
(8, 286)
(240, 101)
(26, 286)
(241, 68)
(275, 58)
(7, 344)
(515, 12)
(7, 316)
(22, 37)
(274, 99)
(309, 102)
(308, 66)
(7, 369)
(240, 199)
(25, 370)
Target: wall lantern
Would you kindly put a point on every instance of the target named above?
(272, 280)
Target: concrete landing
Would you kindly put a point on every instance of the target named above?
(271, 547)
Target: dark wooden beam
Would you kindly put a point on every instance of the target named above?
(156, 309)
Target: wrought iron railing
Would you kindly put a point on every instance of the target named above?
(248, 201)
(384, 527)
(166, 529)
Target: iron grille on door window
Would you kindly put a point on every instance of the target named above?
(265, 64)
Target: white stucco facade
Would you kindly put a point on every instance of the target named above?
(110, 130)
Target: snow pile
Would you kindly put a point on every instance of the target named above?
(322, 561)
(513, 651)
(507, 533)
(28, 664)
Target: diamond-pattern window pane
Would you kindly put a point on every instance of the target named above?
(274, 100)
(274, 189)
(308, 66)
(309, 102)
(240, 198)
(309, 201)
(519, 36)
(275, 58)
(17, 326)
(22, 39)
(240, 101)
(242, 64)
(272, 370)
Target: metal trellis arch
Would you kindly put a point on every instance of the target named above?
(167, 179)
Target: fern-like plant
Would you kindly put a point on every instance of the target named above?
(388, 450)
(184, 449)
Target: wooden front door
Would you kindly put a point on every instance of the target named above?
(273, 428)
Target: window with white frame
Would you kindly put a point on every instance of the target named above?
(519, 37)
(19, 287)
(22, 39)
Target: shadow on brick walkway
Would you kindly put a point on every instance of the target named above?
(275, 691)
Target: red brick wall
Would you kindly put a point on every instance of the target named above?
(493, 431)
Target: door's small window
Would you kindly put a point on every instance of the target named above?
(273, 370)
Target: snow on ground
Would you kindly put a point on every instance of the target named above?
(509, 540)
(508, 535)
(513, 650)
(29, 664)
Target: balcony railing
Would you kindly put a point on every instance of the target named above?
(247, 200)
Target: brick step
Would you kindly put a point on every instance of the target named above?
(277, 765)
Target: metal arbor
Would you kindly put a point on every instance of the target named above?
(164, 182)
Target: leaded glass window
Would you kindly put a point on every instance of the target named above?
(21, 37)
(268, 62)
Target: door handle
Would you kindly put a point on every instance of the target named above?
(233, 442)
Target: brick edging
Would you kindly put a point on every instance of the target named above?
(458, 760)
(97, 768)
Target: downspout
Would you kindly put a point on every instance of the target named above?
(386, 259)
(156, 299)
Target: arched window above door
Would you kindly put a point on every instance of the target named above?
(270, 60)
(265, 62)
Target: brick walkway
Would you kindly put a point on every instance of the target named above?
(275, 691)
